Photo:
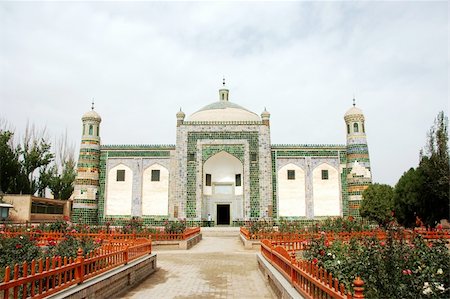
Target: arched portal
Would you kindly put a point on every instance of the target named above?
(223, 181)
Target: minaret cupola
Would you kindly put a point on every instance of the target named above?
(223, 92)
(265, 117)
(180, 117)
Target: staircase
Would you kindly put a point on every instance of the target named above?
(220, 231)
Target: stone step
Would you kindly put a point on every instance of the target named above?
(220, 231)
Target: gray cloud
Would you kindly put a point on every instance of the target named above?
(141, 61)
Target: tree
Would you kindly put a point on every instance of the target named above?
(424, 191)
(377, 203)
(35, 154)
(31, 166)
(62, 174)
(407, 197)
(435, 169)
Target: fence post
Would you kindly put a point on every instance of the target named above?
(125, 255)
(79, 269)
(292, 272)
(358, 288)
(7, 277)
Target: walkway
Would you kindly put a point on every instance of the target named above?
(217, 267)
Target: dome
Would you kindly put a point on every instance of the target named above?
(354, 111)
(223, 111)
(180, 114)
(91, 115)
(265, 114)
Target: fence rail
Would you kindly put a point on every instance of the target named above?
(307, 278)
(44, 277)
(43, 238)
(344, 236)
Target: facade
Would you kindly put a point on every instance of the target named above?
(223, 165)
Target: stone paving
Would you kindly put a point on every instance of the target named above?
(217, 267)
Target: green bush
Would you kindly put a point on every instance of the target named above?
(17, 250)
(392, 268)
(177, 227)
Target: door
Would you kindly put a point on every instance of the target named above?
(223, 214)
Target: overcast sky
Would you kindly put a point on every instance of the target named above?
(304, 61)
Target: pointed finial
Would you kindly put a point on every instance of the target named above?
(223, 81)
(354, 101)
(92, 107)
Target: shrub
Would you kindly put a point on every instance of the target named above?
(392, 268)
(17, 250)
(177, 227)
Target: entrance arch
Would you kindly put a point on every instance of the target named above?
(222, 186)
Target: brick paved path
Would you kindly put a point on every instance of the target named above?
(217, 267)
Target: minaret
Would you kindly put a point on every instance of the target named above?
(265, 117)
(87, 181)
(358, 172)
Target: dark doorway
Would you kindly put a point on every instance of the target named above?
(223, 214)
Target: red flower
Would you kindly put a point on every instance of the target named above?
(322, 252)
(18, 246)
(406, 272)
(382, 243)
(314, 261)
(327, 243)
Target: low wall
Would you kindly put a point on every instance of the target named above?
(180, 244)
(112, 283)
(280, 285)
(250, 244)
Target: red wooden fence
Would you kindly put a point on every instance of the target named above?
(307, 278)
(45, 277)
(344, 236)
(43, 238)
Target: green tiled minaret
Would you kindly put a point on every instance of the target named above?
(85, 201)
(358, 170)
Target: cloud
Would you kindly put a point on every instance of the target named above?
(141, 61)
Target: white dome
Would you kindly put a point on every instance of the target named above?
(91, 115)
(354, 111)
(223, 111)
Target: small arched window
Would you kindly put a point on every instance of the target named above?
(98, 130)
(348, 129)
(91, 129)
(363, 129)
(84, 129)
(355, 128)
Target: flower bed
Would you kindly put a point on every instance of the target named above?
(391, 268)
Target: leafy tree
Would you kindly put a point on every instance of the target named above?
(407, 197)
(424, 191)
(377, 204)
(31, 166)
(435, 169)
(62, 174)
(35, 154)
(61, 185)
(12, 177)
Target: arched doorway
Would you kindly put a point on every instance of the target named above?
(223, 188)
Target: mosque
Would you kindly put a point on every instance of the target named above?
(224, 165)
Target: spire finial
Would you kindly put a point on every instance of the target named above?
(223, 81)
(354, 101)
(92, 107)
